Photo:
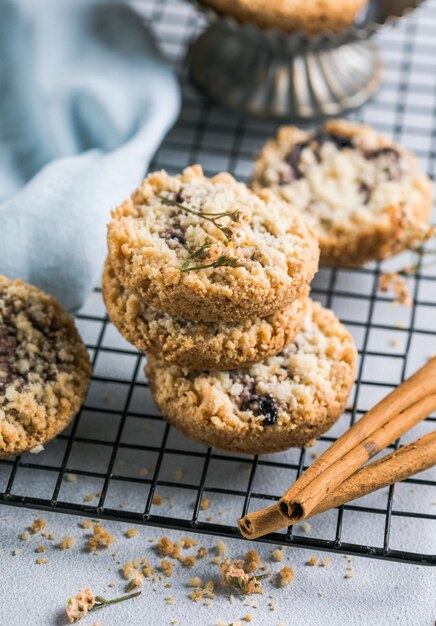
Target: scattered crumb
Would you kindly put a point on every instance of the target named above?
(325, 563)
(201, 553)
(147, 569)
(67, 543)
(25, 536)
(89, 497)
(40, 549)
(86, 523)
(16, 552)
(188, 561)
(131, 532)
(398, 284)
(195, 582)
(169, 599)
(247, 618)
(204, 504)
(312, 561)
(41, 561)
(144, 472)
(187, 542)
(71, 478)
(111, 585)
(38, 524)
(167, 568)
(278, 555)
(285, 577)
(196, 596)
(314, 454)
(158, 500)
(349, 575)
(394, 343)
(101, 538)
(216, 560)
(221, 548)
(305, 527)
(252, 561)
(135, 582)
(165, 546)
(178, 474)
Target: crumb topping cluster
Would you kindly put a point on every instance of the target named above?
(195, 221)
(338, 175)
(269, 392)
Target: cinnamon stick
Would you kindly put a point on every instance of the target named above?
(409, 460)
(308, 499)
(306, 493)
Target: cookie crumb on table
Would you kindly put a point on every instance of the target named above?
(278, 555)
(41, 561)
(167, 568)
(252, 561)
(101, 538)
(165, 546)
(131, 532)
(38, 524)
(285, 576)
(40, 549)
(86, 523)
(188, 542)
(204, 504)
(221, 548)
(157, 500)
(312, 561)
(67, 543)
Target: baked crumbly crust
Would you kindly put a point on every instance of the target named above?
(310, 16)
(285, 401)
(366, 196)
(170, 223)
(44, 367)
(199, 345)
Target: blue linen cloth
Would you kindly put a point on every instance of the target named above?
(85, 100)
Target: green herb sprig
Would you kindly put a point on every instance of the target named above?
(210, 217)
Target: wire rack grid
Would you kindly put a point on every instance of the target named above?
(120, 460)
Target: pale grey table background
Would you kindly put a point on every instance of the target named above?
(379, 592)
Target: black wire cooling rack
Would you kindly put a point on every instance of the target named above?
(119, 460)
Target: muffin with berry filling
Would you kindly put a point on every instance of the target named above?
(285, 401)
(210, 249)
(44, 367)
(366, 197)
(199, 345)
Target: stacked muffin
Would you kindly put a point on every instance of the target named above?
(212, 281)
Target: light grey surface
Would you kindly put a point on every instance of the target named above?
(378, 593)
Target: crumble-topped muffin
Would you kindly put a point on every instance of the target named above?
(367, 197)
(44, 367)
(310, 16)
(199, 345)
(209, 249)
(285, 401)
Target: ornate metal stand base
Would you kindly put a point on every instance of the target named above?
(267, 74)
